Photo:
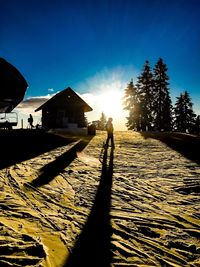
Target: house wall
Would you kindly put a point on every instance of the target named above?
(63, 118)
(48, 119)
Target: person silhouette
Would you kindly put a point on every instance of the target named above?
(110, 129)
(30, 121)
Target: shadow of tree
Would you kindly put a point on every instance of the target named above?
(51, 170)
(93, 247)
(187, 145)
(23, 144)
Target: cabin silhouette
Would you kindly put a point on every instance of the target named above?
(64, 110)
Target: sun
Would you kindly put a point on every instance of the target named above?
(109, 100)
(111, 103)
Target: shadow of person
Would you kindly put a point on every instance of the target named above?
(93, 247)
(51, 170)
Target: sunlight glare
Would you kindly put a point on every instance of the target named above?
(108, 98)
(111, 103)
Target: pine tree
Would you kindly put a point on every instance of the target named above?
(131, 105)
(145, 90)
(102, 122)
(184, 114)
(161, 98)
(178, 114)
(197, 125)
(82, 120)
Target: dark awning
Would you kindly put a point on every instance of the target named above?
(12, 86)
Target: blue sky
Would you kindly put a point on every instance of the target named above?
(56, 44)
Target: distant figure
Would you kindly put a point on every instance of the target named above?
(30, 121)
(7, 125)
(109, 129)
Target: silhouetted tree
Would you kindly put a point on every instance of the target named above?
(197, 125)
(102, 122)
(145, 91)
(161, 98)
(184, 114)
(82, 120)
(131, 104)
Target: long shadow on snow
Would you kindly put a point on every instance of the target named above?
(93, 247)
(51, 170)
(187, 145)
(23, 144)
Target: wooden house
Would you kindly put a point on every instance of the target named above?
(64, 110)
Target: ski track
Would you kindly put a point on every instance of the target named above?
(155, 210)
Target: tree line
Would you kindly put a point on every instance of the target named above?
(149, 104)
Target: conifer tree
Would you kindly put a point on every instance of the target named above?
(145, 90)
(82, 120)
(197, 125)
(131, 105)
(178, 114)
(184, 114)
(102, 122)
(161, 98)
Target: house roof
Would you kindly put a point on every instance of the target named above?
(66, 99)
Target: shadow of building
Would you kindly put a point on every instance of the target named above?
(23, 144)
(51, 170)
(187, 145)
(93, 247)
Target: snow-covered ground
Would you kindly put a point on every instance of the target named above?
(136, 205)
